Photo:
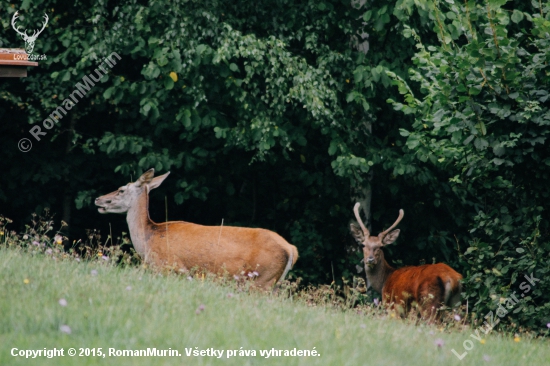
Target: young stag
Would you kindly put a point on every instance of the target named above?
(429, 286)
(183, 245)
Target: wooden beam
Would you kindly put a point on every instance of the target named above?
(13, 71)
(14, 63)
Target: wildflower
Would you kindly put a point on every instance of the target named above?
(189, 278)
(200, 309)
(236, 277)
(62, 302)
(1, 233)
(431, 332)
(65, 329)
(548, 325)
(49, 251)
(255, 273)
(105, 258)
(230, 295)
(439, 342)
(347, 81)
(517, 338)
(376, 302)
(457, 317)
(58, 239)
(250, 274)
(35, 243)
(25, 237)
(26, 281)
(392, 315)
(128, 288)
(77, 259)
(99, 254)
(363, 326)
(486, 358)
(482, 341)
(93, 272)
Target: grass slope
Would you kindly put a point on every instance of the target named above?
(129, 308)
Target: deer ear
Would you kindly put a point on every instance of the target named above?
(157, 181)
(357, 233)
(390, 237)
(146, 177)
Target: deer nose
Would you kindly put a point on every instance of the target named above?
(370, 260)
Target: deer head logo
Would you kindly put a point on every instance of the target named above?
(29, 40)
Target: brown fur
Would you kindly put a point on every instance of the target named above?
(184, 245)
(429, 286)
(426, 285)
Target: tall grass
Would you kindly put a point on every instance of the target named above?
(133, 308)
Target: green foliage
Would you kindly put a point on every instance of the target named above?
(483, 119)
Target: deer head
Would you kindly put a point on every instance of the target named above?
(29, 40)
(372, 244)
(121, 200)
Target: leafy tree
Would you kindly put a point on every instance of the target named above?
(483, 120)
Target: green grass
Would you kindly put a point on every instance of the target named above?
(160, 311)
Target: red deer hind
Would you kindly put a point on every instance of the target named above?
(430, 285)
(217, 249)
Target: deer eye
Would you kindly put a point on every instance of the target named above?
(121, 191)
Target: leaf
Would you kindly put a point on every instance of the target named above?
(107, 93)
(233, 67)
(480, 143)
(168, 83)
(332, 148)
(494, 4)
(367, 15)
(517, 16)
(520, 250)
(481, 126)
(469, 139)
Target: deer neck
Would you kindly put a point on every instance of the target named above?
(140, 225)
(377, 275)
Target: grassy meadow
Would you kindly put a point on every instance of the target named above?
(62, 303)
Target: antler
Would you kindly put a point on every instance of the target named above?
(383, 233)
(13, 19)
(358, 218)
(43, 25)
(25, 35)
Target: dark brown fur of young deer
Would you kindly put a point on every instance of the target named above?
(430, 286)
(184, 245)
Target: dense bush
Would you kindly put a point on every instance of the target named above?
(483, 119)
